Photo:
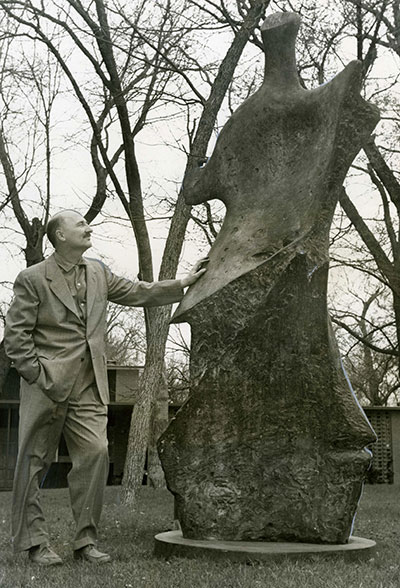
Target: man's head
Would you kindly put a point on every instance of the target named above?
(68, 230)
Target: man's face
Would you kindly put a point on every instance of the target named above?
(74, 231)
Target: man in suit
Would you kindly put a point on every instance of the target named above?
(54, 335)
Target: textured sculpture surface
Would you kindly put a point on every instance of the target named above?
(270, 444)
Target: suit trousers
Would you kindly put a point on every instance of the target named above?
(82, 418)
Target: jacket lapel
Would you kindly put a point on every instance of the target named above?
(59, 286)
(91, 285)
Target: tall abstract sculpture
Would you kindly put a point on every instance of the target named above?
(270, 444)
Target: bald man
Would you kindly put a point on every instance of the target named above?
(55, 331)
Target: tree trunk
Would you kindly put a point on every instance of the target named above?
(396, 307)
(139, 434)
(158, 319)
(159, 422)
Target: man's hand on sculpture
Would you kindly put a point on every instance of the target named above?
(195, 273)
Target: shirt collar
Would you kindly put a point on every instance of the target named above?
(65, 264)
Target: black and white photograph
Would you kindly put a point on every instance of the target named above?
(199, 293)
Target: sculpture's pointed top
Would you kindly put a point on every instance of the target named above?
(280, 19)
(279, 32)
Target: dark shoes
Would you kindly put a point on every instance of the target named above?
(91, 554)
(44, 555)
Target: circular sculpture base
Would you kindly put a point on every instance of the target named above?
(172, 543)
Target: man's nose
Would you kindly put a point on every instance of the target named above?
(89, 229)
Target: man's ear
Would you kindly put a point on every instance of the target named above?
(60, 235)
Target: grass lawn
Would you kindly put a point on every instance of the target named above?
(128, 537)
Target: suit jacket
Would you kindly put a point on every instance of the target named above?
(45, 337)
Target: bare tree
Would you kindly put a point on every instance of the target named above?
(134, 53)
(159, 317)
(370, 359)
(125, 335)
(384, 245)
(384, 14)
(369, 244)
(35, 81)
